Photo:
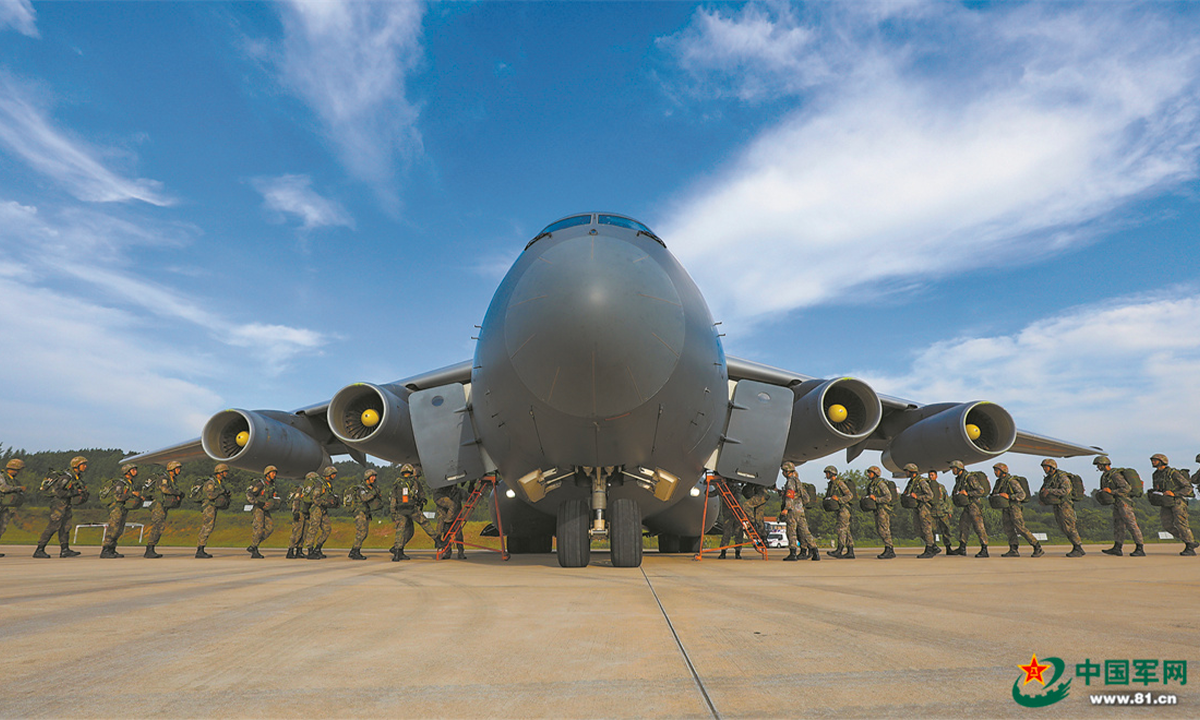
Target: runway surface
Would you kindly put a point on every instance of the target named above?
(235, 637)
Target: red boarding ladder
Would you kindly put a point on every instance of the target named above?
(731, 501)
(464, 512)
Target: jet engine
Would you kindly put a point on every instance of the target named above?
(251, 440)
(374, 419)
(829, 415)
(970, 432)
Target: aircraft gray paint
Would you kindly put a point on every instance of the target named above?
(600, 394)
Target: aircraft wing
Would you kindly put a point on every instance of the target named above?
(895, 419)
(312, 420)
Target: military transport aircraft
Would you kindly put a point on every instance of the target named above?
(600, 394)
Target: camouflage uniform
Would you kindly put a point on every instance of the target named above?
(975, 487)
(12, 492)
(756, 507)
(449, 503)
(794, 496)
(362, 499)
(261, 496)
(407, 506)
(941, 511)
(1175, 518)
(323, 498)
(919, 487)
(166, 495)
(65, 490)
(731, 528)
(300, 511)
(214, 495)
(878, 488)
(1057, 484)
(840, 492)
(1123, 519)
(1012, 518)
(120, 492)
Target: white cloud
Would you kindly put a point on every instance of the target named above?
(910, 161)
(292, 194)
(1123, 375)
(19, 15)
(349, 62)
(29, 134)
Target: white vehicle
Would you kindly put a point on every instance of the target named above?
(776, 535)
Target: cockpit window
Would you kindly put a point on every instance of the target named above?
(567, 222)
(625, 223)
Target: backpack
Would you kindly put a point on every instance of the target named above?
(56, 486)
(983, 479)
(1077, 492)
(1136, 487)
(194, 493)
(352, 500)
(106, 493)
(1024, 486)
(813, 498)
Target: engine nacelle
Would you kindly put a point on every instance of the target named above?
(374, 419)
(830, 415)
(251, 440)
(945, 435)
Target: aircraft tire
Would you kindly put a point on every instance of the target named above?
(574, 543)
(668, 543)
(625, 532)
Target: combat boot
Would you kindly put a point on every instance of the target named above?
(803, 554)
(41, 552)
(1076, 551)
(254, 553)
(982, 552)
(291, 553)
(321, 551)
(814, 554)
(1114, 550)
(888, 553)
(1037, 550)
(463, 555)
(960, 550)
(356, 555)
(792, 556)
(110, 551)
(721, 556)
(737, 554)
(151, 553)
(66, 551)
(835, 553)
(848, 555)
(400, 555)
(930, 551)
(1189, 549)
(1138, 551)
(200, 553)
(314, 554)
(1012, 552)
(300, 553)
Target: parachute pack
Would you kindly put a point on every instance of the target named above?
(1077, 491)
(1136, 487)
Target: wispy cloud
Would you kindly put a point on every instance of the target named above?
(994, 140)
(29, 134)
(350, 61)
(292, 195)
(1123, 375)
(20, 16)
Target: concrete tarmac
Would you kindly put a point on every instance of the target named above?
(235, 637)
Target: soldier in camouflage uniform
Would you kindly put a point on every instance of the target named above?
(1123, 519)
(1012, 518)
(408, 505)
(840, 492)
(12, 493)
(300, 498)
(1173, 483)
(920, 489)
(731, 528)
(323, 498)
(261, 495)
(121, 493)
(756, 508)
(65, 490)
(942, 509)
(1056, 484)
(362, 499)
(214, 496)
(449, 502)
(166, 497)
(973, 485)
(793, 497)
(879, 491)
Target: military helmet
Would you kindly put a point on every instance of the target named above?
(128, 468)
(1161, 458)
(371, 473)
(789, 467)
(957, 465)
(1102, 460)
(328, 472)
(1048, 462)
(875, 469)
(911, 467)
(1000, 466)
(77, 461)
(173, 465)
(830, 470)
(15, 464)
(406, 469)
(220, 468)
(1198, 458)
(312, 476)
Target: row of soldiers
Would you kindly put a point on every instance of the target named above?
(932, 507)
(310, 503)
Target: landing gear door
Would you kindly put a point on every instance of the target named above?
(760, 416)
(446, 442)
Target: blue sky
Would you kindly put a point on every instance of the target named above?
(252, 205)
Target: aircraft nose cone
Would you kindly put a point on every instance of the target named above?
(594, 327)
